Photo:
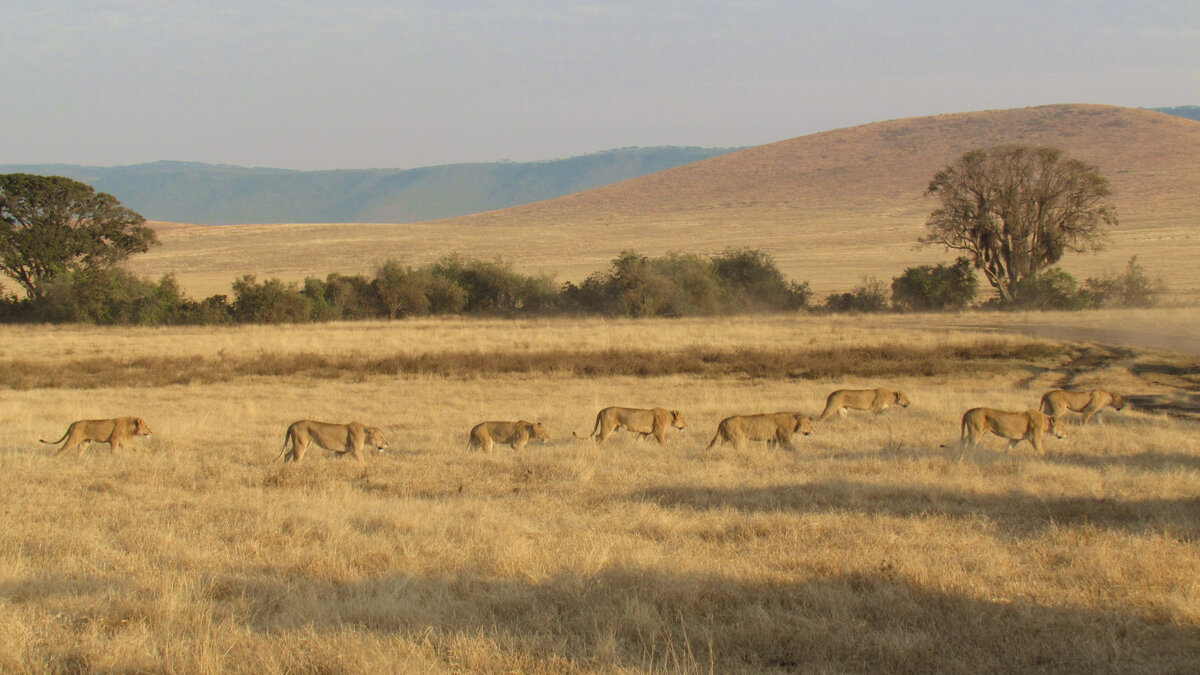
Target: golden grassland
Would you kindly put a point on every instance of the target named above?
(831, 208)
(881, 545)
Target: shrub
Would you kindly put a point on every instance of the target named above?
(869, 296)
(1134, 288)
(935, 288)
(272, 301)
(493, 288)
(756, 283)
(402, 291)
(1054, 288)
(684, 284)
(110, 296)
(341, 298)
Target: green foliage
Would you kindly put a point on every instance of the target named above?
(675, 284)
(679, 284)
(403, 291)
(51, 226)
(493, 287)
(935, 288)
(339, 298)
(272, 301)
(1015, 210)
(1133, 288)
(869, 296)
(108, 297)
(1053, 288)
(756, 283)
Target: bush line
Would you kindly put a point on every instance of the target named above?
(736, 281)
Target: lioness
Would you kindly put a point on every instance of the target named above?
(771, 427)
(340, 438)
(515, 434)
(875, 400)
(644, 421)
(113, 431)
(1015, 426)
(1057, 402)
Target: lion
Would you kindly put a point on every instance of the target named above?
(875, 400)
(515, 434)
(643, 421)
(1015, 426)
(1057, 402)
(771, 427)
(340, 438)
(114, 431)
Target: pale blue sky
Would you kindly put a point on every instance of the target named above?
(311, 84)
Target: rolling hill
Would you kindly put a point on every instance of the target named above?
(831, 208)
(210, 194)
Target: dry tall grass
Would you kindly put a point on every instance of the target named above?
(871, 549)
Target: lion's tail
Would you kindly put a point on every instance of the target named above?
(595, 431)
(830, 408)
(716, 439)
(1044, 406)
(283, 453)
(64, 436)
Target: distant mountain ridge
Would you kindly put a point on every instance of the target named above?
(1191, 112)
(214, 194)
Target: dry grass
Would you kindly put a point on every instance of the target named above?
(872, 549)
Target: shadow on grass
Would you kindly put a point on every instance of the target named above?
(1016, 512)
(624, 617)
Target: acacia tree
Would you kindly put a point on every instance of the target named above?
(1016, 209)
(50, 225)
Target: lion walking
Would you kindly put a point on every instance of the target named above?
(875, 400)
(116, 432)
(1029, 425)
(340, 438)
(770, 427)
(1057, 402)
(643, 421)
(514, 434)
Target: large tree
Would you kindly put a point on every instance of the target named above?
(50, 225)
(1016, 209)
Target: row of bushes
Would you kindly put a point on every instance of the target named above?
(676, 284)
(950, 288)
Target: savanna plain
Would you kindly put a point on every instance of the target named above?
(879, 545)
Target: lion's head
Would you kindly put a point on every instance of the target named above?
(1055, 426)
(375, 437)
(1118, 401)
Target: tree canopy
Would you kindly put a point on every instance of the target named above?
(1015, 210)
(50, 225)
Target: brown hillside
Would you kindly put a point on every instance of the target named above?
(831, 207)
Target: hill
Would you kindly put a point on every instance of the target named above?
(211, 194)
(831, 208)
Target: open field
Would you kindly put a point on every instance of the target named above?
(879, 546)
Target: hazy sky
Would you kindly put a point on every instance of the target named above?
(312, 84)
